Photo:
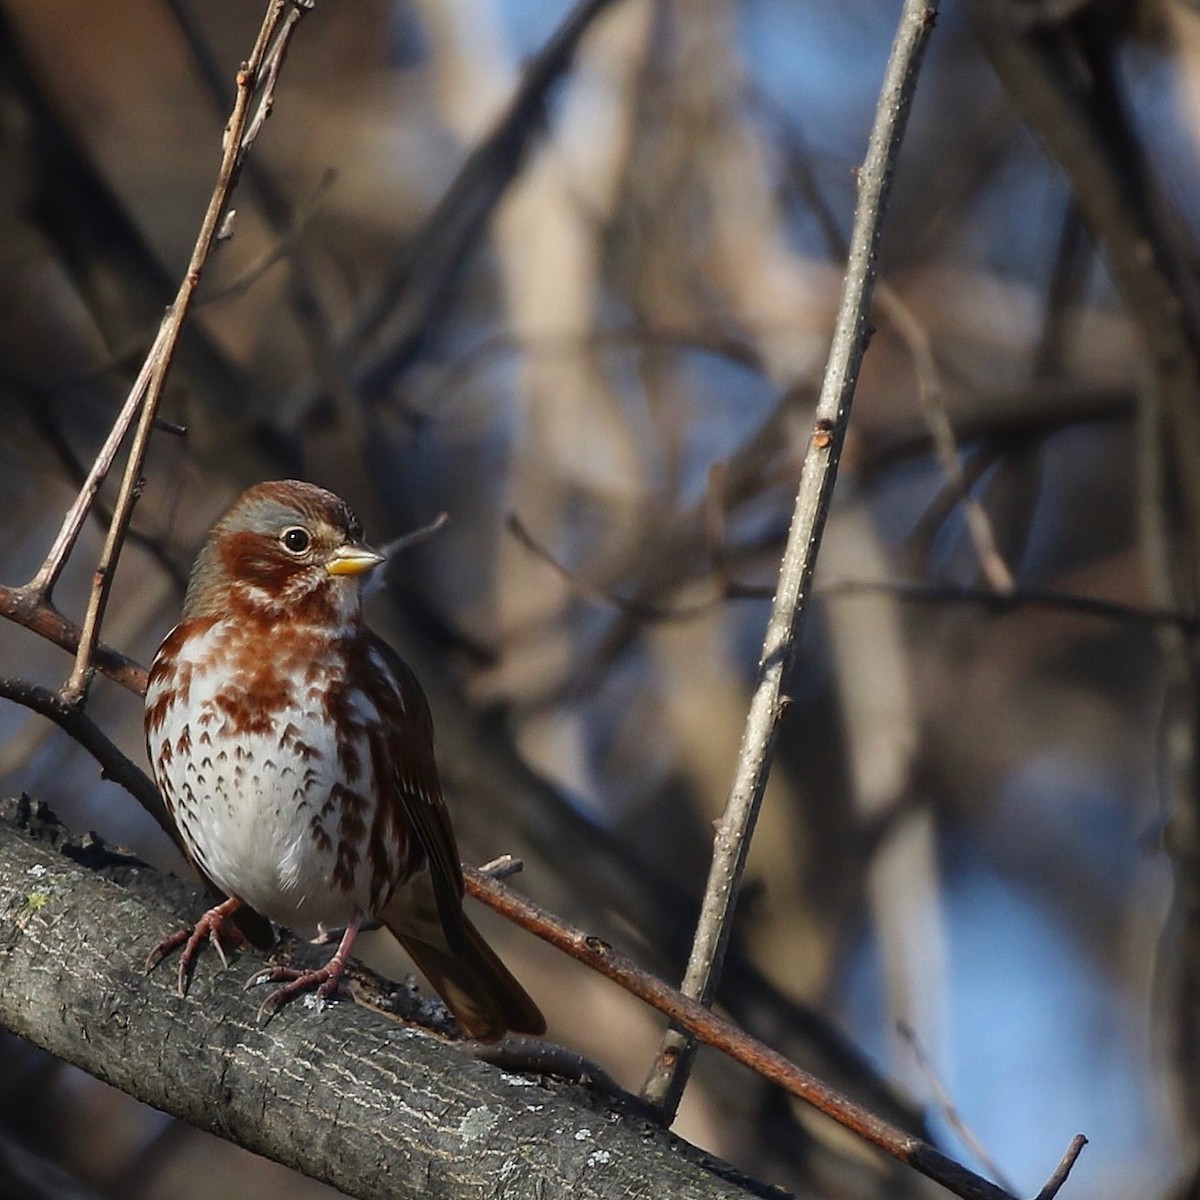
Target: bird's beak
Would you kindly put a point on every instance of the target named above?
(352, 560)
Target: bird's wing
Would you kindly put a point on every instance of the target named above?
(418, 787)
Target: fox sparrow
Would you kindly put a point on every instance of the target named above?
(294, 750)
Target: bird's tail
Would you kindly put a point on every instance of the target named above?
(477, 987)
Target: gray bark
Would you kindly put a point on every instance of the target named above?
(349, 1096)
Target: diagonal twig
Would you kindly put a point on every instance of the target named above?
(114, 764)
(255, 89)
(668, 1076)
(703, 1024)
(909, 329)
(950, 1114)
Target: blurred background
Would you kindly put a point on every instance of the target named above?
(597, 350)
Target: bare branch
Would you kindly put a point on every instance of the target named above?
(929, 393)
(1059, 1177)
(380, 1110)
(664, 1087)
(912, 333)
(638, 609)
(28, 607)
(419, 283)
(998, 603)
(115, 766)
(706, 1026)
(255, 88)
(950, 1113)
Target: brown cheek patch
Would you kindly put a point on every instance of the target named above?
(253, 559)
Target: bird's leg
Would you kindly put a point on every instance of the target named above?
(326, 980)
(214, 925)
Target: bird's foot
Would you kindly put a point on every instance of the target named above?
(325, 981)
(215, 925)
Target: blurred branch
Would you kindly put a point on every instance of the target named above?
(288, 225)
(639, 610)
(284, 249)
(950, 1113)
(714, 1031)
(1068, 277)
(664, 1087)
(1036, 411)
(43, 417)
(913, 334)
(408, 300)
(1000, 603)
(1062, 72)
(930, 396)
(32, 1177)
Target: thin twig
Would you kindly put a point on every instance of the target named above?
(1063, 1169)
(283, 249)
(950, 1113)
(667, 1078)
(706, 1026)
(41, 586)
(912, 333)
(638, 609)
(255, 87)
(502, 867)
(415, 538)
(930, 396)
(310, 309)
(114, 765)
(996, 603)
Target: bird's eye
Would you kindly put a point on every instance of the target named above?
(296, 540)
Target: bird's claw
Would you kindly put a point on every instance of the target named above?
(213, 925)
(325, 981)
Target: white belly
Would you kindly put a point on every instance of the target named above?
(262, 812)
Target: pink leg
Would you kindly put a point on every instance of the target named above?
(214, 925)
(327, 980)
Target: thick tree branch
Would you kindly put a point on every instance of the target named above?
(373, 1107)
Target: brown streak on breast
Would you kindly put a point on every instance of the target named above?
(323, 840)
(347, 863)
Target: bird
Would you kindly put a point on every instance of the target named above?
(294, 752)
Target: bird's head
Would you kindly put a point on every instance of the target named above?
(283, 547)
